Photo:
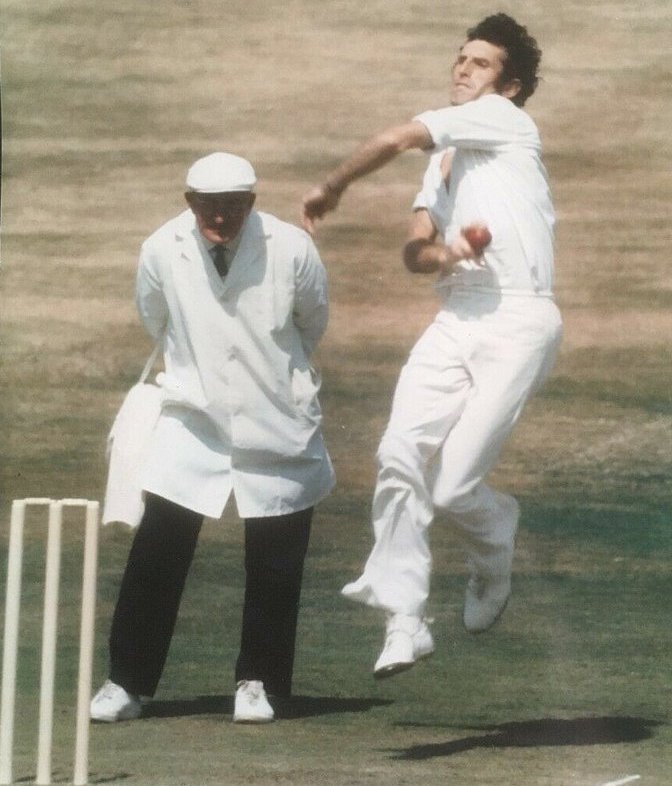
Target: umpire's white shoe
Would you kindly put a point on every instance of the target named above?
(112, 703)
(407, 640)
(251, 703)
(484, 601)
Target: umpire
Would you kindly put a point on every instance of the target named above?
(239, 299)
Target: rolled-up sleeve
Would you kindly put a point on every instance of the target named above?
(311, 303)
(149, 297)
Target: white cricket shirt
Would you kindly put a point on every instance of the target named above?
(497, 178)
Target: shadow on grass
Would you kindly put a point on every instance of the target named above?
(537, 733)
(119, 776)
(285, 709)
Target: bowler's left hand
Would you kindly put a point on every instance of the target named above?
(316, 202)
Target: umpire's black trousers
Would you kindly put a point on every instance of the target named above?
(151, 590)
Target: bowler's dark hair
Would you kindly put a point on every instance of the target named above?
(522, 53)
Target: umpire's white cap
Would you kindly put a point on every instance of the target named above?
(220, 173)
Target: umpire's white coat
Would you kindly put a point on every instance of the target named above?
(240, 411)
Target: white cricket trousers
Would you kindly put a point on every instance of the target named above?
(457, 399)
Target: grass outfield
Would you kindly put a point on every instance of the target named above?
(105, 105)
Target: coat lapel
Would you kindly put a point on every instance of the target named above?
(194, 250)
(251, 247)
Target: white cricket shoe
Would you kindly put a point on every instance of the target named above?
(407, 640)
(251, 703)
(112, 703)
(484, 601)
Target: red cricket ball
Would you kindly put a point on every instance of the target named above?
(478, 236)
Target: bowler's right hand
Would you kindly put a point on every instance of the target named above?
(465, 245)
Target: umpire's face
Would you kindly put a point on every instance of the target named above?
(220, 217)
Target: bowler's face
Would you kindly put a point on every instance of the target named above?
(220, 217)
(476, 71)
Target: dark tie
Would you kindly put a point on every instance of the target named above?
(219, 258)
